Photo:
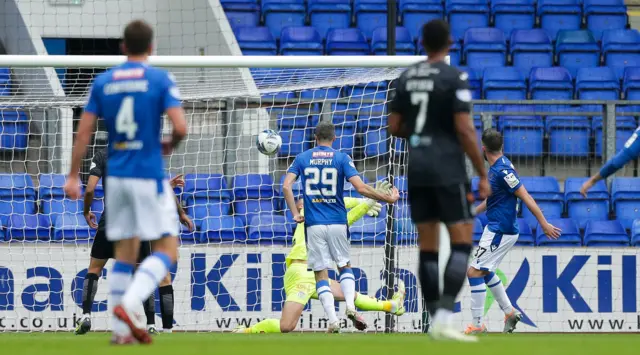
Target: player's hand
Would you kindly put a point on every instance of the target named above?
(167, 146)
(72, 187)
(187, 222)
(484, 189)
(177, 181)
(374, 208)
(551, 231)
(394, 196)
(586, 187)
(299, 218)
(91, 220)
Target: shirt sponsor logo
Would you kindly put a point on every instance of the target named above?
(322, 154)
(511, 180)
(463, 95)
(128, 73)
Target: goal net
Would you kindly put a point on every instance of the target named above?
(231, 269)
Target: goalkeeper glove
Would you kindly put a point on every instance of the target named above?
(384, 187)
(374, 207)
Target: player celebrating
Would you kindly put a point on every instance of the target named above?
(500, 234)
(132, 98)
(431, 108)
(323, 171)
(630, 152)
(300, 284)
(102, 251)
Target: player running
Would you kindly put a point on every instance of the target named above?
(300, 284)
(431, 109)
(102, 251)
(630, 152)
(131, 98)
(323, 171)
(500, 233)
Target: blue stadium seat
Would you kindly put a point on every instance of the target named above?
(602, 15)
(509, 15)
(522, 135)
(570, 234)
(368, 231)
(577, 49)
(223, 229)
(241, 13)
(597, 84)
(504, 83)
(300, 41)
(206, 195)
(595, 207)
(402, 184)
(14, 130)
(279, 14)
(465, 14)
(325, 15)
(525, 237)
(635, 233)
(246, 209)
(256, 41)
(605, 234)
(404, 43)
(254, 186)
(5, 84)
(17, 196)
(568, 136)
(28, 227)
(631, 83)
(405, 231)
(478, 229)
(558, 15)
(529, 49)
(625, 126)
(415, 13)
(267, 228)
(625, 196)
(59, 205)
(347, 41)
(345, 137)
(621, 49)
(485, 47)
(546, 191)
(51, 185)
(350, 191)
(374, 134)
(369, 15)
(550, 84)
(71, 226)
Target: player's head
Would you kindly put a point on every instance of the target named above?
(436, 37)
(137, 39)
(325, 133)
(491, 142)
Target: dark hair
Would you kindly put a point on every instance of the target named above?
(137, 38)
(325, 131)
(492, 140)
(436, 36)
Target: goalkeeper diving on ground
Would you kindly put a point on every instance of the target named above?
(300, 284)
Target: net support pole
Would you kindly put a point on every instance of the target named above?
(392, 16)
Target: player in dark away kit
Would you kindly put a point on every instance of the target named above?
(430, 108)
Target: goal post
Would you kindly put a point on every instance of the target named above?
(231, 269)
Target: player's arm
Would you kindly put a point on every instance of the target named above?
(175, 113)
(287, 189)
(630, 151)
(357, 212)
(396, 109)
(551, 231)
(88, 199)
(481, 207)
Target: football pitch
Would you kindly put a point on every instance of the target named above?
(321, 344)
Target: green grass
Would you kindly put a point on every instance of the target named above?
(325, 344)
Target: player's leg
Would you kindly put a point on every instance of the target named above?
(149, 304)
(89, 290)
(166, 303)
(339, 250)
(319, 260)
(371, 304)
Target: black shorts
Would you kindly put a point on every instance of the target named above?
(449, 204)
(103, 249)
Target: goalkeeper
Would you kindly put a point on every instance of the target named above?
(300, 284)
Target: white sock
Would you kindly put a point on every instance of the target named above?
(443, 317)
(326, 298)
(478, 295)
(348, 286)
(119, 281)
(497, 289)
(146, 279)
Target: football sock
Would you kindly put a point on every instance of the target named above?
(348, 286)
(150, 309)
(429, 279)
(454, 275)
(146, 279)
(367, 303)
(497, 290)
(326, 298)
(166, 306)
(89, 290)
(478, 294)
(119, 281)
(265, 326)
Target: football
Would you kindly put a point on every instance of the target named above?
(268, 142)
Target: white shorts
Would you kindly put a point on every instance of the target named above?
(135, 208)
(492, 249)
(327, 245)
